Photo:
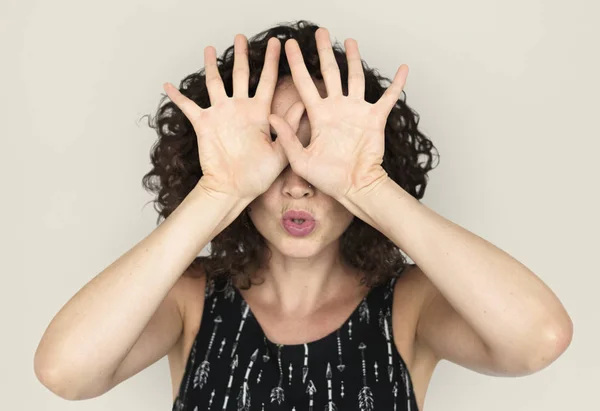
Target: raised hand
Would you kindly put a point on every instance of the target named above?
(237, 155)
(347, 133)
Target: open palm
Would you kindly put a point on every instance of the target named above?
(236, 152)
(347, 133)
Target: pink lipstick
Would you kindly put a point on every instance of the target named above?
(298, 223)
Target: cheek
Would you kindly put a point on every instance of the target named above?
(348, 219)
(342, 217)
(262, 212)
(268, 199)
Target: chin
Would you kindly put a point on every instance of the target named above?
(279, 240)
(298, 247)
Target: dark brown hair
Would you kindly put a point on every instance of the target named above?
(176, 170)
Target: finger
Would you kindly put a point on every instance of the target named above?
(281, 156)
(329, 67)
(190, 109)
(268, 76)
(241, 72)
(214, 83)
(390, 97)
(356, 75)
(294, 115)
(288, 142)
(302, 79)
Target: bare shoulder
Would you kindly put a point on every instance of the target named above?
(190, 298)
(412, 292)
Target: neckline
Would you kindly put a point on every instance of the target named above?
(312, 343)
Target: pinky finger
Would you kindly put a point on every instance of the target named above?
(389, 98)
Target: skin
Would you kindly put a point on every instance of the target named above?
(466, 300)
(303, 271)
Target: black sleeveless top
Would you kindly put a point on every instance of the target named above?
(233, 366)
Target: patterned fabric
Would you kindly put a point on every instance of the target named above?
(233, 366)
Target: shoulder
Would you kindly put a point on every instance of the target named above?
(189, 292)
(192, 284)
(412, 293)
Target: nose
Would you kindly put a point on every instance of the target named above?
(295, 186)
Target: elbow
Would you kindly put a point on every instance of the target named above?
(54, 381)
(535, 352)
(556, 339)
(67, 384)
(72, 388)
(49, 375)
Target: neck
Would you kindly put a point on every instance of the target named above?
(299, 286)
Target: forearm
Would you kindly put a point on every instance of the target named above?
(96, 328)
(506, 304)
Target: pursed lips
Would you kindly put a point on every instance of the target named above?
(298, 215)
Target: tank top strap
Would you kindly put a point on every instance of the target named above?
(382, 295)
(396, 367)
(380, 302)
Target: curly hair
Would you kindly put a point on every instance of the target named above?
(176, 170)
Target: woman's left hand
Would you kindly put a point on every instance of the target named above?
(347, 139)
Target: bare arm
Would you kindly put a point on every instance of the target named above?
(127, 316)
(93, 333)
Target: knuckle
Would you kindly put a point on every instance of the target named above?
(330, 68)
(240, 70)
(325, 49)
(356, 75)
(267, 77)
(214, 80)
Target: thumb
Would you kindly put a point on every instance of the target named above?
(288, 142)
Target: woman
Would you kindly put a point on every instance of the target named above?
(306, 190)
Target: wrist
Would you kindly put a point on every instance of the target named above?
(230, 206)
(369, 191)
(208, 190)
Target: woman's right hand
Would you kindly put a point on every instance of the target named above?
(237, 155)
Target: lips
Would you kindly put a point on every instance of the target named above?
(298, 223)
(298, 215)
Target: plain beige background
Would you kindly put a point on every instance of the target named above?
(507, 90)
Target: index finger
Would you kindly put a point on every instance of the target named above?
(302, 79)
(268, 76)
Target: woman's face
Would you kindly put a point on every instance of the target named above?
(291, 192)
